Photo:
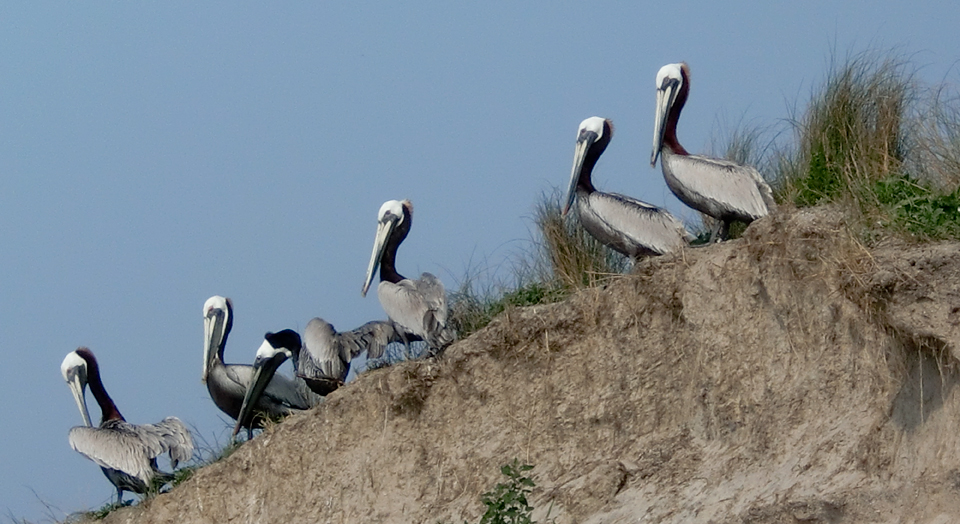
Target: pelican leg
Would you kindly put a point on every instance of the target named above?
(724, 230)
(407, 355)
(119, 495)
(715, 235)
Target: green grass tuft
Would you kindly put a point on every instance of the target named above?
(874, 142)
(919, 210)
(103, 511)
(853, 133)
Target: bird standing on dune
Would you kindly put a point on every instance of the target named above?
(127, 453)
(625, 224)
(228, 383)
(417, 307)
(722, 189)
(322, 357)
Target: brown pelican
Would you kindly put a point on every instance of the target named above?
(322, 358)
(127, 453)
(626, 224)
(417, 307)
(725, 190)
(228, 383)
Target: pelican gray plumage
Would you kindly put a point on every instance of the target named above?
(127, 453)
(228, 383)
(322, 358)
(722, 189)
(417, 307)
(627, 225)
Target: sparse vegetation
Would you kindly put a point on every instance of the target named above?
(565, 258)
(397, 352)
(873, 142)
(569, 256)
(103, 511)
(853, 133)
(205, 455)
(507, 502)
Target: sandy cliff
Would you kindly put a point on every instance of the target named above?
(789, 376)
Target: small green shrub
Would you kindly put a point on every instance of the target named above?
(921, 211)
(507, 502)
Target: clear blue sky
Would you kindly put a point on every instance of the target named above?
(153, 155)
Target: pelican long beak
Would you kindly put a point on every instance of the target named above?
(265, 367)
(213, 326)
(379, 244)
(584, 142)
(666, 95)
(77, 388)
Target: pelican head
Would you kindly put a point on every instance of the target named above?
(74, 371)
(276, 348)
(670, 79)
(390, 217)
(591, 130)
(217, 321)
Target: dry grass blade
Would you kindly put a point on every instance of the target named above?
(575, 259)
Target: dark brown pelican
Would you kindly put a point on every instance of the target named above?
(228, 383)
(626, 224)
(725, 190)
(417, 307)
(322, 358)
(127, 453)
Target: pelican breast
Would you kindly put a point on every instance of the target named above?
(630, 226)
(418, 306)
(720, 188)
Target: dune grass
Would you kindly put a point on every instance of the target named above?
(876, 142)
(870, 139)
(563, 258)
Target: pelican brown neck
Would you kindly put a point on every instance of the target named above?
(673, 116)
(594, 151)
(388, 267)
(108, 409)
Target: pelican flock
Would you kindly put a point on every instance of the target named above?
(127, 453)
(416, 308)
(722, 189)
(627, 225)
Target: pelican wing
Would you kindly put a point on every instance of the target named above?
(328, 353)
(717, 187)
(626, 222)
(419, 307)
(321, 358)
(372, 337)
(282, 395)
(177, 439)
(130, 448)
